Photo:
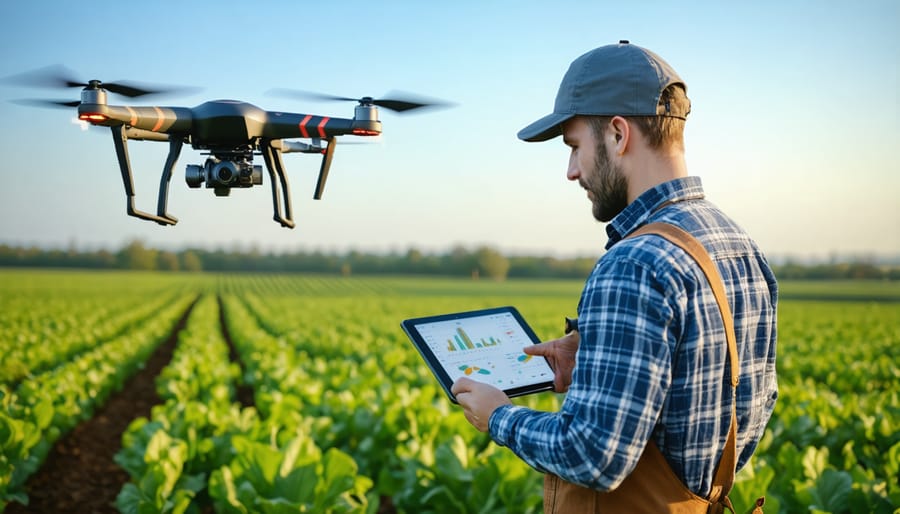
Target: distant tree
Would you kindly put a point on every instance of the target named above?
(190, 261)
(168, 261)
(459, 262)
(413, 256)
(137, 256)
(492, 263)
(863, 270)
(104, 259)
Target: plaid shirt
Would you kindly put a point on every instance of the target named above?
(652, 361)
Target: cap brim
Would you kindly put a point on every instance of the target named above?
(545, 128)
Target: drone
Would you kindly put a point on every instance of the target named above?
(230, 132)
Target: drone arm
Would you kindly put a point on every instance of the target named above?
(120, 139)
(275, 166)
(307, 126)
(162, 120)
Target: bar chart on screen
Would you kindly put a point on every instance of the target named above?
(462, 342)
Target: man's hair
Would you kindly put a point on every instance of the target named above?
(661, 132)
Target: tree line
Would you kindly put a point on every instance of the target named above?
(481, 262)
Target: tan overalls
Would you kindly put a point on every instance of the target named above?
(652, 487)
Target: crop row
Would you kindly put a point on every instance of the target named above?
(200, 447)
(45, 406)
(331, 434)
(33, 341)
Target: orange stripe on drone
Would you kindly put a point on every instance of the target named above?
(322, 126)
(303, 125)
(133, 116)
(159, 119)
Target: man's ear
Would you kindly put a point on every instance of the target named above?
(620, 132)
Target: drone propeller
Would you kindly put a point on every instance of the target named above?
(405, 103)
(58, 76)
(47, 103)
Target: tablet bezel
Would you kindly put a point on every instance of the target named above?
(410, 326)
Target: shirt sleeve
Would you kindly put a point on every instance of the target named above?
(622, 374)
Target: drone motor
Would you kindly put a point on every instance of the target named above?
(222, 175)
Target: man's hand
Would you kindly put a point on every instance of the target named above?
(478, 401)
(560, 353)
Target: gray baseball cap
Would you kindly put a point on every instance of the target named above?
(613, 80)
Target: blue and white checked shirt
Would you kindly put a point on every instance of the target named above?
(652, 362)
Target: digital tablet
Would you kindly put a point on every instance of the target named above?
(484, 345)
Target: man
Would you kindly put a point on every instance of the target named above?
(648, 359)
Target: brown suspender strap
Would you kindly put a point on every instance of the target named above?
(724, 477)
(693, 248)
(652, 487)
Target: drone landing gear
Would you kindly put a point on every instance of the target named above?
(323, 170)
(272, 150)
(120, 138)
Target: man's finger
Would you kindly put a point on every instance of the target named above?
(542, 349)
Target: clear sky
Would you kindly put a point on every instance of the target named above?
(794, 130)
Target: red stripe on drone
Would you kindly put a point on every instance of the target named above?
(303, 123)
(322, 126)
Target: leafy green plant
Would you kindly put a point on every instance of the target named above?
(21, 446)
(297, 478)
(163, 488)
(463, 480)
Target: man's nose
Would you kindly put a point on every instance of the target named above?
(572, 173)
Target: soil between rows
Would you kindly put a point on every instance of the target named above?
(79, 475)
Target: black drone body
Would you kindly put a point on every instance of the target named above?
(230, 132)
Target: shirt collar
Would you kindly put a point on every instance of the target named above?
(638, 211)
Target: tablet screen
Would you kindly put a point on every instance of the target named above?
(482, 345)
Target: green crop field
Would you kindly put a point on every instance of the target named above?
(300, 393)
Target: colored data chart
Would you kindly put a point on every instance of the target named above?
(462, 342)
(468, 370)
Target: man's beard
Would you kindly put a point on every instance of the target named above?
(608, 185)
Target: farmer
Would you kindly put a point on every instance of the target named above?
(646, 366)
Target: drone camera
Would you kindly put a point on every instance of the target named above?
(223, 175)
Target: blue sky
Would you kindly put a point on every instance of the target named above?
(794, 128)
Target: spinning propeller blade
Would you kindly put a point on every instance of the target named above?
(400, 102)
(47, 103)
(60, 77)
